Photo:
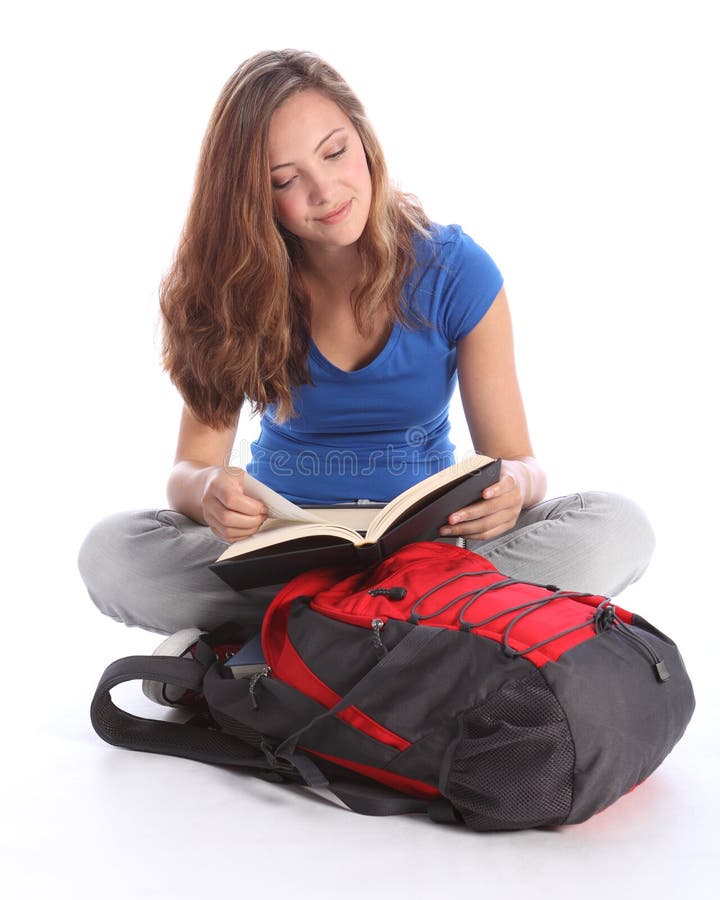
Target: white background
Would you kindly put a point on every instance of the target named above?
(578, 143)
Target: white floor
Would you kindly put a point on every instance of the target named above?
(576, 142)
(83, 819)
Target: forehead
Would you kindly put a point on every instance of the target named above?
(302, 120)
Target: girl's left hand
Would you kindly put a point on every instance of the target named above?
(492, 516)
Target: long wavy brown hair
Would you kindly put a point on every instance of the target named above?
(235, 315)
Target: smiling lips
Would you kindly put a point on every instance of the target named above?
(337, 215)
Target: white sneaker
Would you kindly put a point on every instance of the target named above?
(179, 644)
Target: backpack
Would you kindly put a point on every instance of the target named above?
(431, 683)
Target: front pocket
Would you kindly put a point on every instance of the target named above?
(275, 710)
(512, 765)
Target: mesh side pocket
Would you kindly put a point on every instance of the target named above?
(512, 766)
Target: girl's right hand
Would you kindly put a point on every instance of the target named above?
(230, 514)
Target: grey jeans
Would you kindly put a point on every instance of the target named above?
(149, 568)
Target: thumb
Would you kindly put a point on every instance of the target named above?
(237, 473)
(254, 501)
(238, 479)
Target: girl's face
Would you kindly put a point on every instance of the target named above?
(320, 177)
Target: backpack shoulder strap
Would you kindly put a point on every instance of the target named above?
(122, 729)
(197, 739)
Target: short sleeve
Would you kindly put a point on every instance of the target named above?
(471, 283)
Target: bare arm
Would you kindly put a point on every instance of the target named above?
(203, 487)
(496, 418)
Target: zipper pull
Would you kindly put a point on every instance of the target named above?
(263, 673)
(378, 646)
(392, 593)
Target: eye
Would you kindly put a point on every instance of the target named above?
(338, 153)
(285, 184)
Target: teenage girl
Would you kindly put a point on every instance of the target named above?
(308, 287)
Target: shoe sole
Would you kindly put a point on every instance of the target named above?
(177, 644)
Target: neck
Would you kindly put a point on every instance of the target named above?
(335, 270)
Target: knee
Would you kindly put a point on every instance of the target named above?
(624, 527)
(106, 559)
(625, 518)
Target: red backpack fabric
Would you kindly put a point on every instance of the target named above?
(452, 688)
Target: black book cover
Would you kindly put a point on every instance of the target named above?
(279, 563)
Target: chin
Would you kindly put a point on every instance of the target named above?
(343, 238)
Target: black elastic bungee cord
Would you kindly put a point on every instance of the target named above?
(537, 602)
(611, 619)
(436, 612)
(526, 608)
(414, 618)
(509, 651)
(559, 595)
(603, 617)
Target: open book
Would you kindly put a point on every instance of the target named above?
(295, 539)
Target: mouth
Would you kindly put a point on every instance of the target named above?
(338, 214)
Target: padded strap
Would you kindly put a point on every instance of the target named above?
(197, 740)
(122, 729)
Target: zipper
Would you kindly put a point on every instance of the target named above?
(378, 646)
(376, 625)
(392, 593)
(263, 673)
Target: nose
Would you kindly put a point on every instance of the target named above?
(319, 189)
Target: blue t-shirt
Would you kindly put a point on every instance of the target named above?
(373, 433)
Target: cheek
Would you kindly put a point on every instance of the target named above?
(359, 178)
(360, 173)
(286, 210)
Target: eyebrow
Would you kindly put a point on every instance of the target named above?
(334, 131)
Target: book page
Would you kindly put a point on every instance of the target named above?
(278, 506)
(349, 515)
(276, 532)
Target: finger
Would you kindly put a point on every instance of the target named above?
(233, 496)
(481, 527)
(504, 485)
(500, 489)
(228, 520)
(474, 511)
(250, 507)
